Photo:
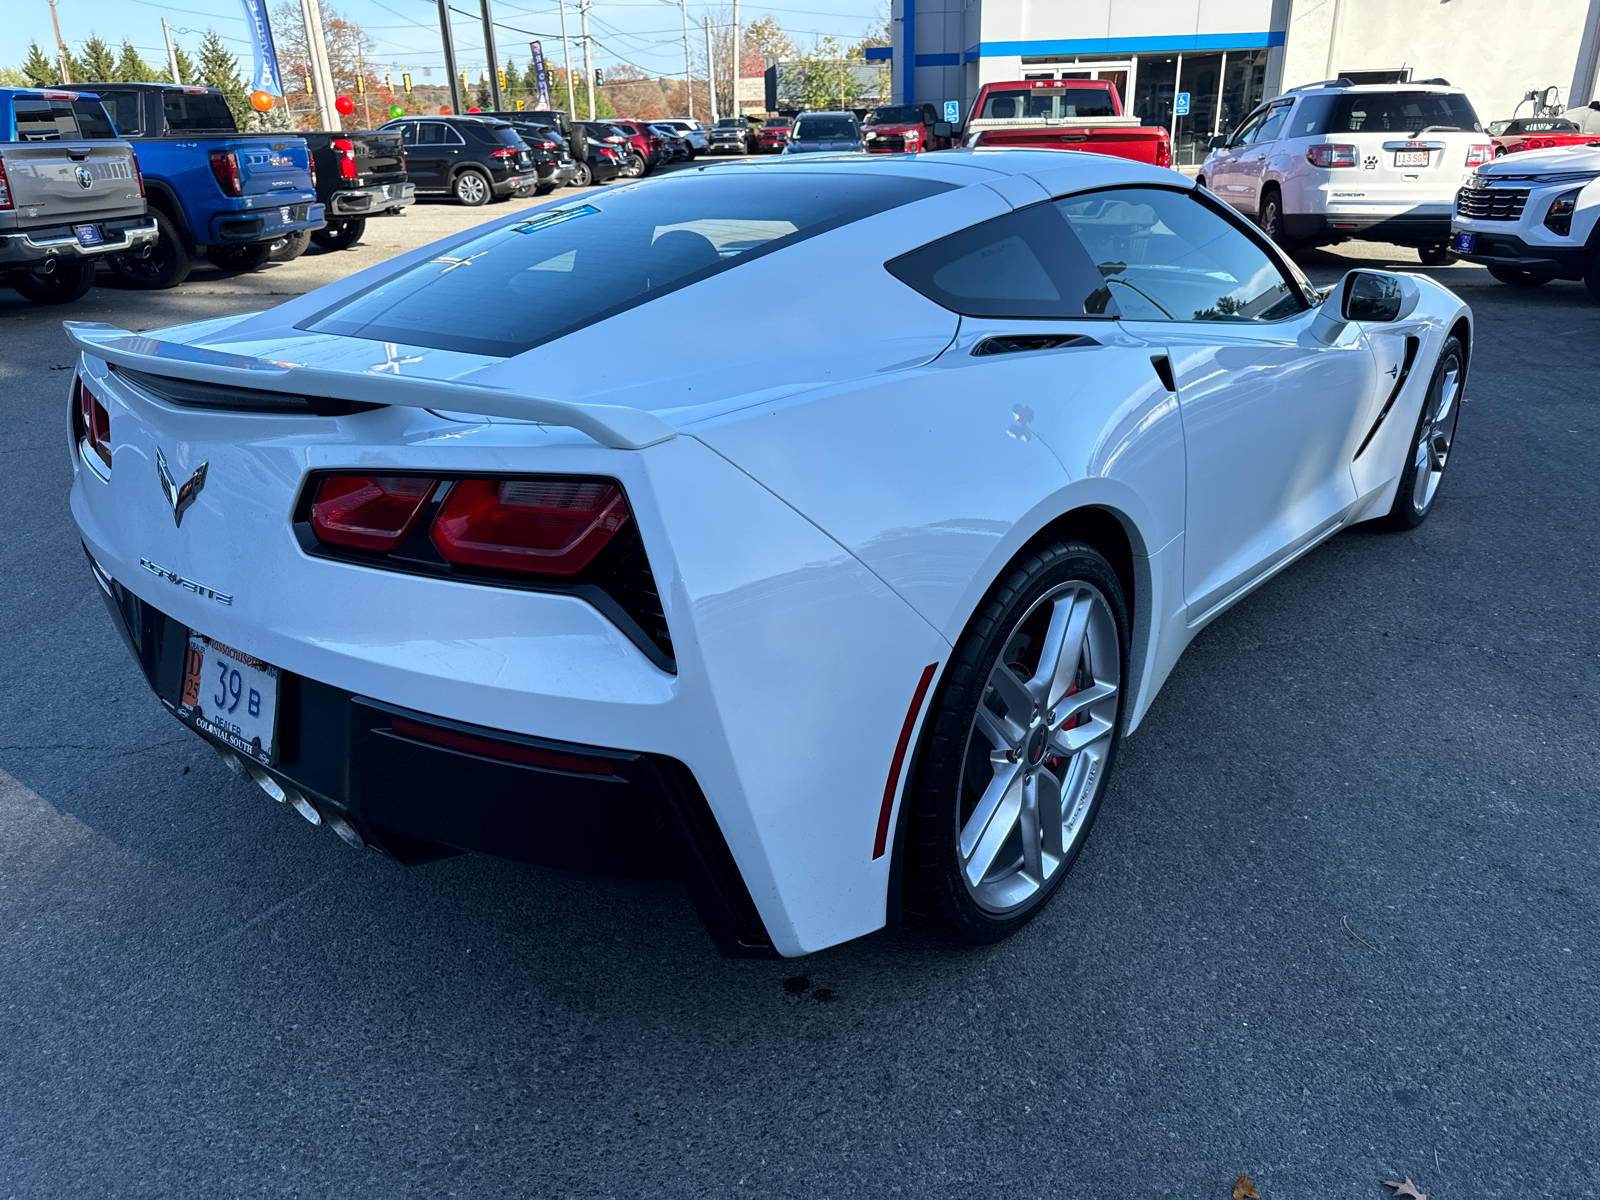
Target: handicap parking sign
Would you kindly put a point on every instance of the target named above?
(952, 111)
(1181, 104)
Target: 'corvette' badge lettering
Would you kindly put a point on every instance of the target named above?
(187, 585)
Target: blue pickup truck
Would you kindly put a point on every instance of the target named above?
(212, 190)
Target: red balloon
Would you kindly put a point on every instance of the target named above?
(345, 105)
(474, 109)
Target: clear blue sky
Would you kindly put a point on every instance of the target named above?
(646, 33)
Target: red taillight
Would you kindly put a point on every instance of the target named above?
(225, 166)
(548, 526)
(503, 152)
(1478, 155)
(94, 424)
(5, 188)
(369, 512)
(506, 751)
(138, 176)
(1326, 154)
(1163, 152)
(346, 149)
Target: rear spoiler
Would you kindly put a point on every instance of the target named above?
(613, 426)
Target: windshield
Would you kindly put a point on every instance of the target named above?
(896, 114)
(1549, 125)
(825, 129)
(533, 280)
(1400, 112)
(1040, 103)
(777, 123)
(731, 123)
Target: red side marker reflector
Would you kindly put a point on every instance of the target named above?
(882, 839)
(506, 751)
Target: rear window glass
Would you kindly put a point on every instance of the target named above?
(52, 120)
(123, 108)
(825, 129)
(1024, 264)
(196, 112)
(896, 114)
(1545, 126)
(559, 269)
(1400, 112)
(1040, 102)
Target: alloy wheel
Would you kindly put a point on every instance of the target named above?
(470, 188)
(1438, 432)
(1037, 750)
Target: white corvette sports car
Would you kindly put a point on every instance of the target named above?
(845, 621)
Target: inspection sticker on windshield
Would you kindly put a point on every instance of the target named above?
(231, 696)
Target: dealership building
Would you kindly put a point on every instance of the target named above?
(1199, 66)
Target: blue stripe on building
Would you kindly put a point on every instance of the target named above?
(879, 52)
(1182, 43)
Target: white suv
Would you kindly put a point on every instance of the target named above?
(1534, 216)
(1335, 160)
(693, 132)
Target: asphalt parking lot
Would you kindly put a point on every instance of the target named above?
(1337, 923)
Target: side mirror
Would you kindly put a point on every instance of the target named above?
(1217, 143)
(943, 129)
(1364, 296)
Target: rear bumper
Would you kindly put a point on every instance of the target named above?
(58, 241)
(265, 224)
(372, 201)
(1404, 229)
(1497, 247)
(583, 808)
(516, 183)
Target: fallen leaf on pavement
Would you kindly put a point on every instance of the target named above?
(1406, 1190)
(1245, 1189)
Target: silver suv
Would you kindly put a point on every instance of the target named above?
(1336, 160)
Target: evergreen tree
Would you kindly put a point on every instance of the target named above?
(512, 91)
(131, 68)
(96, 64)
(41, 70)
(186, 68)
(220, 69)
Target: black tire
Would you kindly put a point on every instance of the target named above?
(1270, 217)
(291, 247)
(1437, 255)
(164, 264)
(250, 256)
(1407, 512)
(1519, 278)
(584, 176)
(944, 788)
(471, 188)
(544, 189)
(340, 235)
(70, 280)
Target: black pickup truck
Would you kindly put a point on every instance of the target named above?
(358, 175)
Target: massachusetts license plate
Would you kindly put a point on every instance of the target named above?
(1464, 242)
(87, 235)
(1410, 158)
(231, 696)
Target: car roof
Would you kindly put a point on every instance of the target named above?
(1333, 88)
(1076, 169)
(826, 113)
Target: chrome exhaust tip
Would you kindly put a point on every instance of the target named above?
(288, 794)
(346, 831)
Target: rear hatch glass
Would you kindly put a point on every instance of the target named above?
(560, 269)
(42, 120)
(1387, 113)
(197, 112)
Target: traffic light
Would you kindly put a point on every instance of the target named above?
(361, 79)
(501, 71)
(405, 78)
(598, 80)
(519, 105)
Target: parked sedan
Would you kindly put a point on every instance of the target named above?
(835, 635)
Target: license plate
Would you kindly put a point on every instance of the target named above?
(1464, 243)
(231, 696)
(1410, 158)
(87, 235)
(287, 213)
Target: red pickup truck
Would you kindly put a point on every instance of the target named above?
(1063, 114)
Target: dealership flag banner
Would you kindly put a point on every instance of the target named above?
(265, 76)
(541, 75)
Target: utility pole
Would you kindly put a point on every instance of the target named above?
(172, 55)
(450, 57)
(738, 53)
(566, 50)
(61, 46)
(711, 69)
(688, 75)
(322, 77)
(494, 61)
(588, 62)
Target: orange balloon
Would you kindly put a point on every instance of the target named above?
(445, 110)
(261, 101)
(345, 105)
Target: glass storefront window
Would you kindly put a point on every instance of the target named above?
(1242, 86)
(1201, 78)
(1152, 91)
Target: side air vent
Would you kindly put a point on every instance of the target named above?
(1016, 343)
(190, 394)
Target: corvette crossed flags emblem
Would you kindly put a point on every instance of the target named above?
(179, 497)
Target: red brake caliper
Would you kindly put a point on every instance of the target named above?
(1069, 723)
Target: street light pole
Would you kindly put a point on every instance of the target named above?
(738, 54)
(588, 59)
(711, 70)
(566, 50)
(450, 56)
(317, 50)
(61, 46)
(172, 55)
(494, 62)
(688, 75)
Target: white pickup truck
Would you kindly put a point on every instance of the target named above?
(1533, 217)
(70, 192)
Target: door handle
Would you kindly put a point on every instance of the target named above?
(1163, 366)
